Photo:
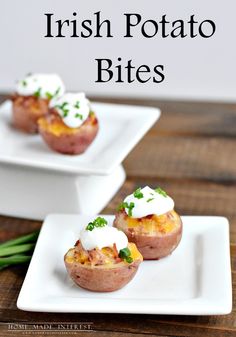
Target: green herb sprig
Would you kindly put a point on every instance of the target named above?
(63, 108)
(128, 206)
(138, 194)
(161, 191)
(38, 92)
(77, 115)
(57, 92)
(97, 223)
(77, 105)
(125, 254)
(49, 95)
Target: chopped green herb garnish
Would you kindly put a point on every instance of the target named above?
(161, 191)
(125, 254)
(65, 112)
(138, 194)
(123, 205)
(38, 92)
(78, 116)
(129, 259)
(129, 206)
(77, 105)
(24, 83)
(49, 95)
(57, 91)
(90, 226)
(98, 222)
(150, 199)
(62, 107)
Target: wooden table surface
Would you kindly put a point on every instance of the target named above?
(191, 153)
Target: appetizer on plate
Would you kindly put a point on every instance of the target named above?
(148, 219)
(71, 125)
(32, 97)
(102, 259)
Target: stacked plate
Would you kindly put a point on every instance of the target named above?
(36, 181)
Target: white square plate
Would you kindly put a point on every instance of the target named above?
(121, 128)
(194, 280)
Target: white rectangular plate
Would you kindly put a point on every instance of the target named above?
(194, 280)
(120, 128)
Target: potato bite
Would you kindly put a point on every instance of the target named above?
(71, 126)
(31, 100)
(148, 219)
(102, 259)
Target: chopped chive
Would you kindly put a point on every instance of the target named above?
(125, 254)
(125, 205)
(90, 226)
(129, 259)
(77, 105)
(38, 92)
(57, 91)
(161, 192)
(122, 206)
(24, 83)
(78, 116)
(98, 222)
(130, 209)
(65, 112)
(63, 105)
(138, 194)
(49, 95)
(150, 199)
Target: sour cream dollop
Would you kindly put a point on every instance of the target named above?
(148, 201)
(73, 108)
(103, 237)
(41, 85)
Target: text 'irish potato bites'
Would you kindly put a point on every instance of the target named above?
(32, 97)
(148, 219)
(102, 259)
(71, 125)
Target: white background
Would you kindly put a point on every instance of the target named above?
(194, 68)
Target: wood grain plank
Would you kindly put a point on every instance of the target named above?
(183, 157)
(188, 118)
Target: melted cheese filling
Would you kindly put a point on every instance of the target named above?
(156, 223)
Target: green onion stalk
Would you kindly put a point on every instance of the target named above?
(17, 251)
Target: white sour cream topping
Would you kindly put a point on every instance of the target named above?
(101, 237)
(73, 108)
(152, 202)
(41, 85)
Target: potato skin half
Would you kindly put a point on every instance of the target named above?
(26, 111)
(101, 278)
(64, 139)
(152, 246)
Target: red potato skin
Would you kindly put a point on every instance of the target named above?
(26, 112)
(70, 143)
(152, 247)
(100, 278)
